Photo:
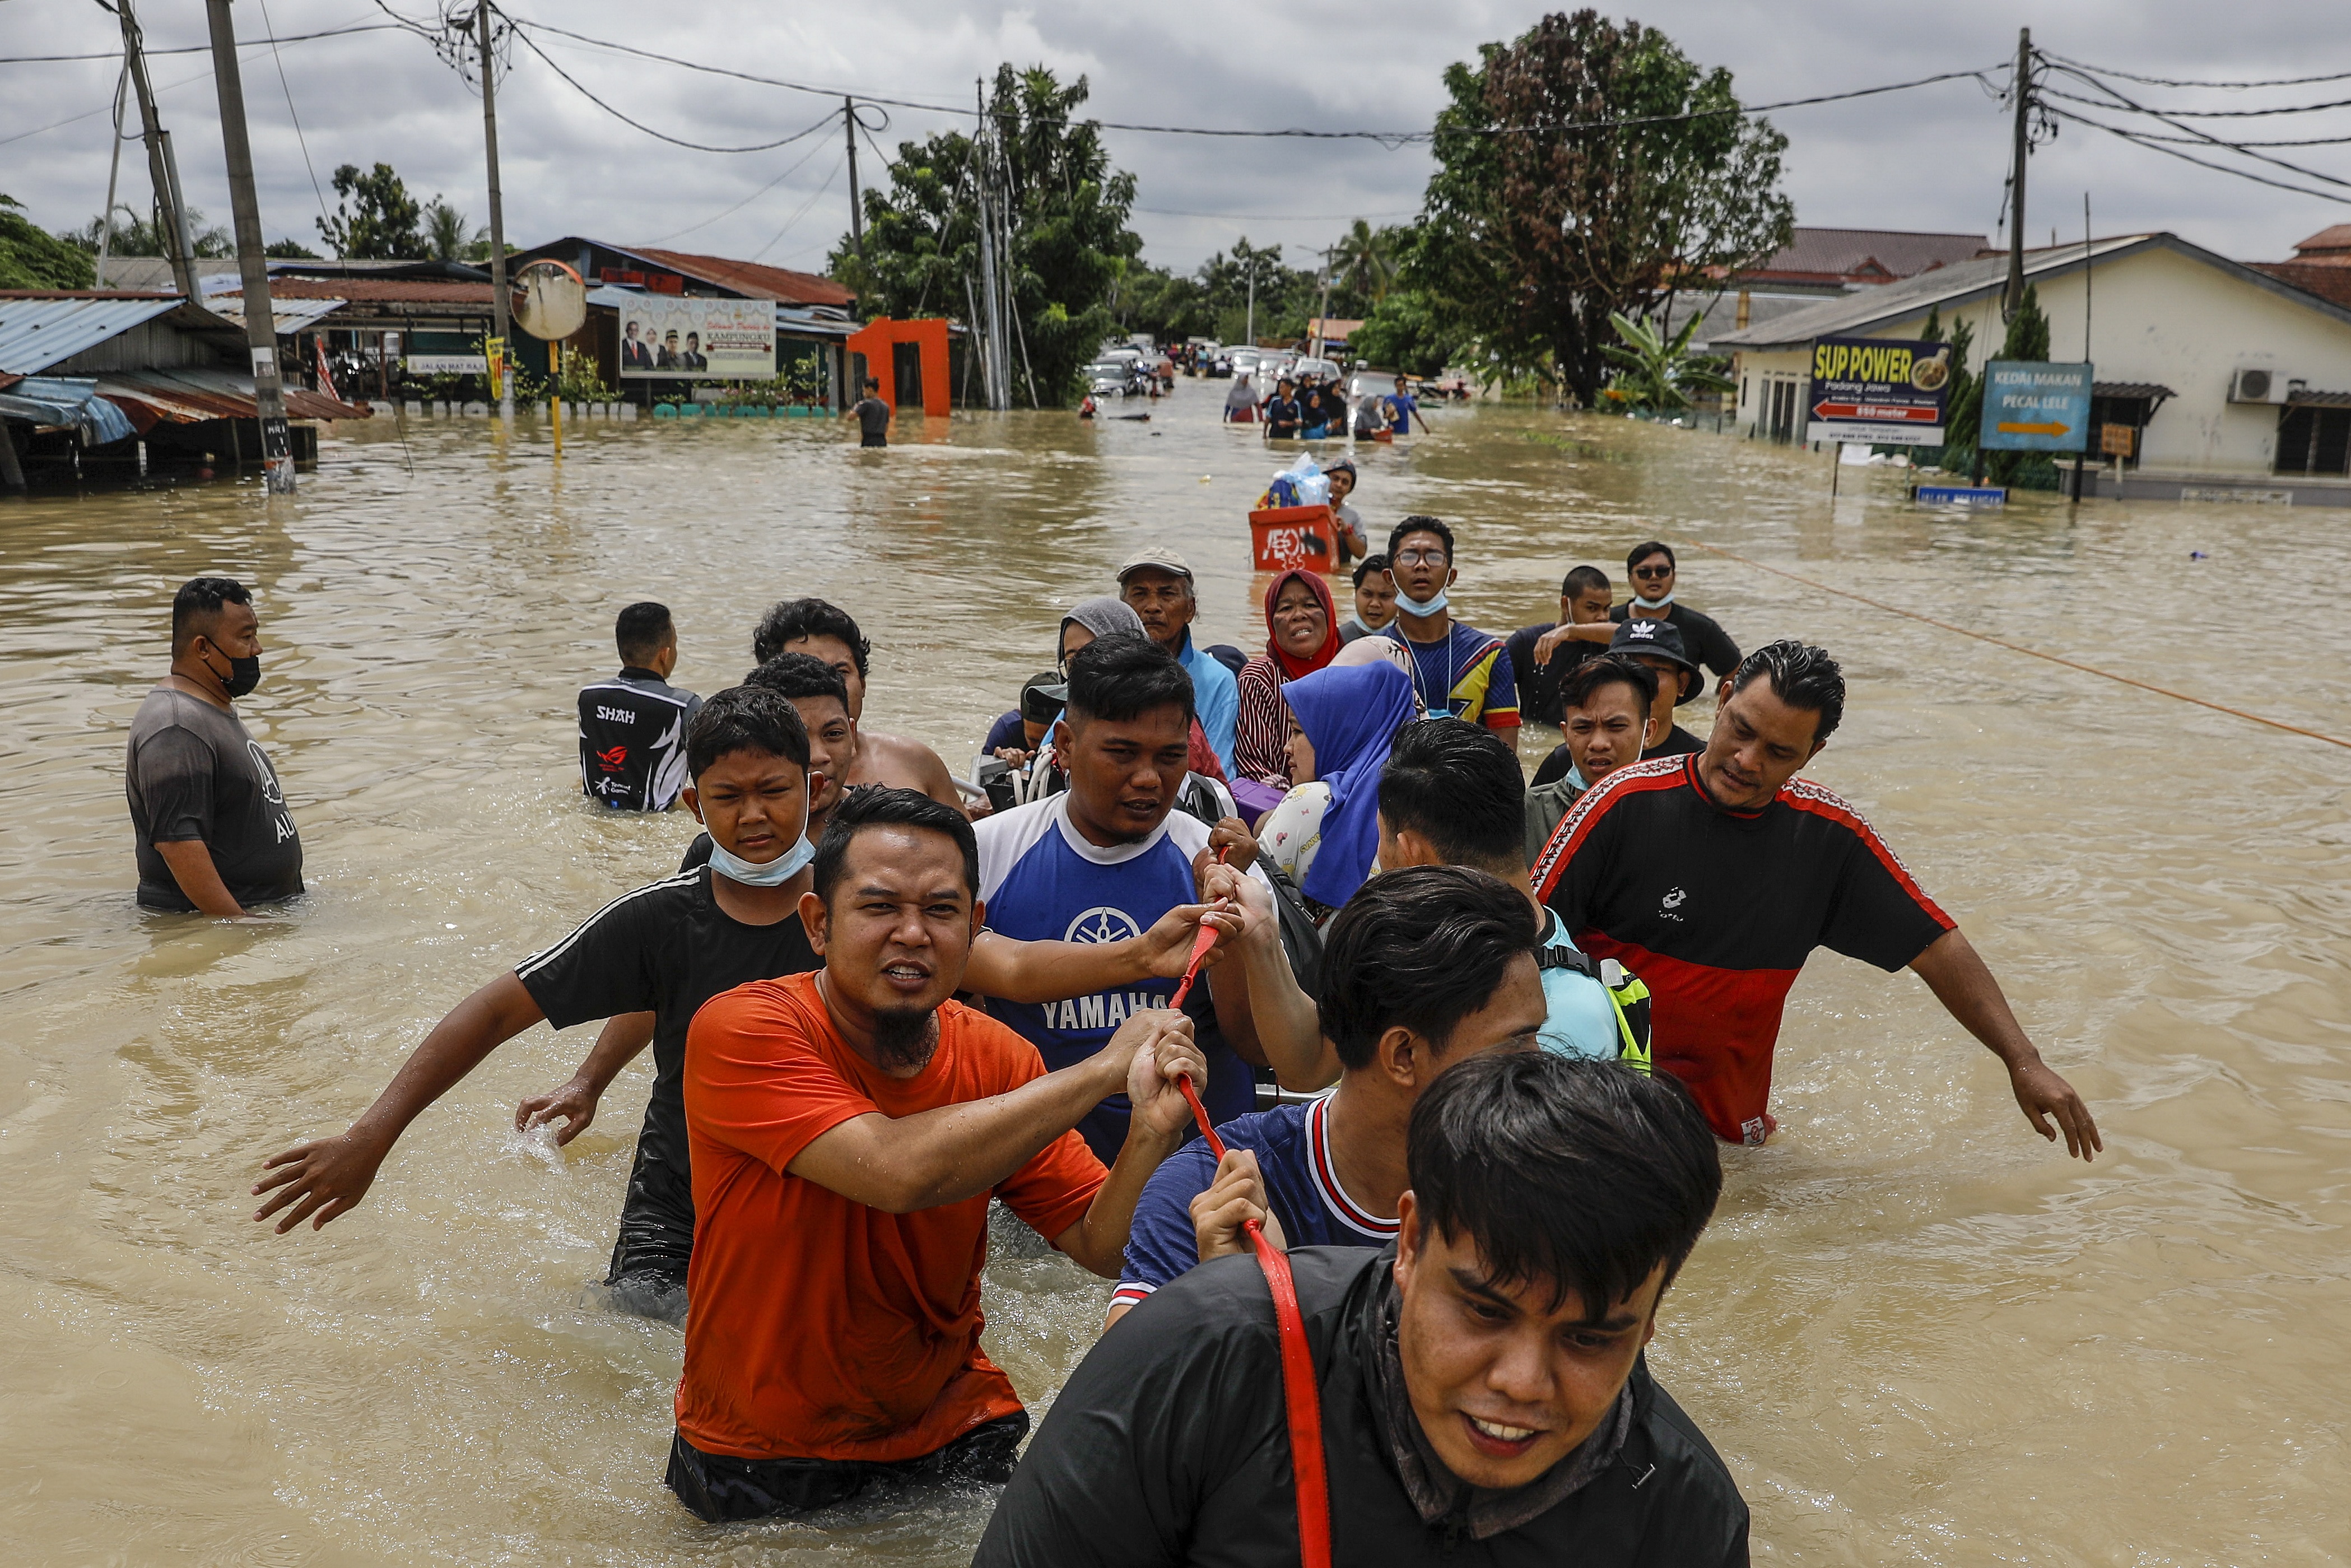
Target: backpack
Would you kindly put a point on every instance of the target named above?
(1625, 992)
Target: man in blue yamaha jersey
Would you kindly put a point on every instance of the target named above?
(1105, 859)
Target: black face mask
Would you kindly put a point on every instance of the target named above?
(244, 675)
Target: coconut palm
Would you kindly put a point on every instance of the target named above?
(447, 233)
(1367, 258)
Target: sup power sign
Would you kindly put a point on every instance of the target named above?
(1882, 391)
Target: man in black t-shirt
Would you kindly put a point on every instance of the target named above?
(1281, 413)
(1657, 645)
(1653, 571)
(1482, 1391)
(666, 949)
(1544, 655)
(632, 726)
(872, 416)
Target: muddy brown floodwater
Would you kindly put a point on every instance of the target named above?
(1915, 1332)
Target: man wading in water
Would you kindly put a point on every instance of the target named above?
(848, 1129)
(1482, 1394)
(1716, 875)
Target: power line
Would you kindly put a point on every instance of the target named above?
(196, 49)
(637, 124)
(746, 201)
(303, 141)
(1279, 218)
(803, 212)
(2203, 113)
(2139, 139)
(1391, 138)
(2168, 81)
(2120, 102)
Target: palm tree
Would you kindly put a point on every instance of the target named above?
(1366, 258)
(447, 232)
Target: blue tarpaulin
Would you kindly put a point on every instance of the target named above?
(67, 400)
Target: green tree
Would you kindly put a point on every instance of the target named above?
(449, 236)
(1659, 374)
(141, 236)
(1585, 169)
(1285, 296)
(32, 258)
(2028, 338)
(1412, 331)
(1365, 260)
(375, 218)
(1068, 209)
(1962, 403)
(290, 249)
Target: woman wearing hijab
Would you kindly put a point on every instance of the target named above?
(1087, 620)
(1301, 626)
(1326, 832)
(1241, 401)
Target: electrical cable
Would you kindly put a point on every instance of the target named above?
(1392, 138)
(2020, 648)
(2167, 81)
(2137, 140)
(637, 124)
(2205, 113)
(811, 202)
(746, 201)
(303, 141)
(196, 49)
(2123, 103)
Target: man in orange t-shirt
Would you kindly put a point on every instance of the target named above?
(847, 1129)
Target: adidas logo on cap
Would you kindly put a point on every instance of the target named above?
(1641, 631)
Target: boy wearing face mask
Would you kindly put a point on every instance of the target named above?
(214, 833)
(665, 949)
(1456, 670)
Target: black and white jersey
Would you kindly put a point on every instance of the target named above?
(633, 740)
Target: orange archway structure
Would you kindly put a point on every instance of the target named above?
(909, 359)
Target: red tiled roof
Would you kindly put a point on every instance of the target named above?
(2335, 240)
(751, 279)
(2329, 280)
(1832, 255)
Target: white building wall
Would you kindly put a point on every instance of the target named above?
(2157, 315)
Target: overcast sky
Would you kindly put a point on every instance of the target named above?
(1930, 159)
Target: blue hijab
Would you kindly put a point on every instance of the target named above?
(1350, 713)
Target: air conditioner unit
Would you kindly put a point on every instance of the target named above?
(2254, 384)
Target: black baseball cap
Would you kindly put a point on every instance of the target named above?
(1658, 639)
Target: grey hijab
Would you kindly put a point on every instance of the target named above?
(1103, 617)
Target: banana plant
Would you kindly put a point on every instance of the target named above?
(1655, 372)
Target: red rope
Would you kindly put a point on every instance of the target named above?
(1304, 1403)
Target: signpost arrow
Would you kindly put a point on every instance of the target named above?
(2051, 429)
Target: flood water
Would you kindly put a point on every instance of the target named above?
(1915, 1332)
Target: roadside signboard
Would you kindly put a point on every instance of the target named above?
(2118, 440)
(669, 337)
(2034, 406)
(1882, 391)
(447, 364)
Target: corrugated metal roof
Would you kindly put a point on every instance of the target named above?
(750, 277)
(38, 333)
(188, 394)
(286, 315)
(65, 401)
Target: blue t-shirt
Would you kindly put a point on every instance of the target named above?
(1007, 730)
(1579, 1018)
(1467, 674)
(1292, 1144)
(1400, 406)
(1042, 881)
(1215, 697)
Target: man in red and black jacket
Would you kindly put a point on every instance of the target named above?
(1714, 876)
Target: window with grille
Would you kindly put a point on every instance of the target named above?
(2312, 440)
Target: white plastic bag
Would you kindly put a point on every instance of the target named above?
(1308, 482)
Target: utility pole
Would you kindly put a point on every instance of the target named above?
(1248, 332)
(1323, 318)
(499, 302)
(260, 327)
(856, 212)
(999, 396)
(113, 172)
(2013, 300)
(162, 167)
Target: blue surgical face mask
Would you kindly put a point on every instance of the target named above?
(1417, 607)
(1652, 603)
(775, 873)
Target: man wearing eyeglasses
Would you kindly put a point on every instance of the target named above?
(1456, 669)
(1651, 568)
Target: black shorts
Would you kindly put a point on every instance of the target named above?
(873, 441)
(717, 1488)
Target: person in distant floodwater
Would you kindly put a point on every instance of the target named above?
(632, 726)
(872, 415)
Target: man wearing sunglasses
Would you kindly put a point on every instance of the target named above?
(1651, 567)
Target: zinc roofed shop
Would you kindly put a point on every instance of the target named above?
(811, 316)
(2230, 382)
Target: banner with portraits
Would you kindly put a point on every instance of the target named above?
(667, 337)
